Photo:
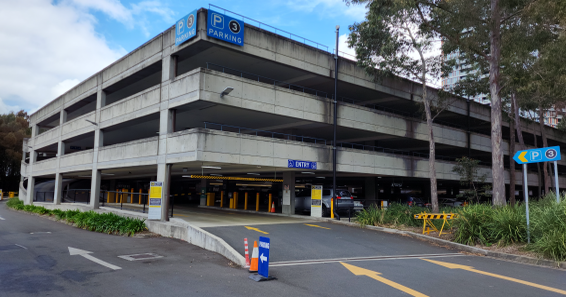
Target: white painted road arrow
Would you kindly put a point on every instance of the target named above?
(85, 254)
(262, 258)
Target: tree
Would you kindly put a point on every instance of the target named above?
(467, 169)
(391, 42)
(13, 129)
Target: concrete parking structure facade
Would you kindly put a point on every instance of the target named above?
(159, 113)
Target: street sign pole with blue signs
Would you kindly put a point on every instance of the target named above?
(544, 154)
(263, 263)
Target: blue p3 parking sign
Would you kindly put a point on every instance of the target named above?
(225, 28)
(263, 263)
(186, 28)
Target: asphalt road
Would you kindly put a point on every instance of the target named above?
(39, 264)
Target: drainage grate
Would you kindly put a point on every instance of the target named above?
(138, 257)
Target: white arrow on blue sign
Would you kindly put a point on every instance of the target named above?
(263, 265)
(544, 154)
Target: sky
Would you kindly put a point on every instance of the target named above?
(49, 46)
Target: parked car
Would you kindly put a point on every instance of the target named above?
(455, 202)
(411, 200)
(344, 201)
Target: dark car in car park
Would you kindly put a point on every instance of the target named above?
(411, 200)
(344, 201)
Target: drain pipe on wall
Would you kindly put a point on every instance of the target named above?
(335, 119)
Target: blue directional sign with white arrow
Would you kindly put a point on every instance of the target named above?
(263, 264)
(544, 154)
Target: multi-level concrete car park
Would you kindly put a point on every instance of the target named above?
(213, 115)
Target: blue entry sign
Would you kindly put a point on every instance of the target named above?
(544, 154)
(302, 164)
(225, 28)
(263, 264)
(186, 28)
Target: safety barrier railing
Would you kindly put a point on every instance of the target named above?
(76, 196)
(129, 199)
(250, 131)
(43, 196)
(269, 28)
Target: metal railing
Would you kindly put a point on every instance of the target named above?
(272, 29)
(43, 196)
(136, 200)
(250, 131)
(76, 196)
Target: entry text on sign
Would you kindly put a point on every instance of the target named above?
(264, 245)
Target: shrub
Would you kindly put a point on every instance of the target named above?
(15, 203)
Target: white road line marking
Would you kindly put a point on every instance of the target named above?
(2, 219)
(23, 247)
(358, 259)
(85, 254)
(40, 233)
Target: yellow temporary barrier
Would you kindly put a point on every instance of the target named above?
(11, 194)
(428, 217)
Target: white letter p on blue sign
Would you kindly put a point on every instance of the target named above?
(217, 21)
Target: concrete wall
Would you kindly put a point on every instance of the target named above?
(136, 104)
(75, 161)
(129, 150)
(78, 125)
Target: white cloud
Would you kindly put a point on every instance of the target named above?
(329, 7)
(344, 50)
(47, 47)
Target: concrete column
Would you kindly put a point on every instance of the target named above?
(164, 174)
(95, 188)
(31, 191)
(289, 195)
(58, 188)
(34, 130)
(371, 190)
(203, 185)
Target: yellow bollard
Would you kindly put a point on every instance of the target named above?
(139, 198)
(212, 199)
(107, 197)
(221, 199)
(235, 197)
(207, 199)
(246, 201)
(231, 202)
(269, 206)
(257, 202)
(132, 195)
(147, 200)
(331, 208)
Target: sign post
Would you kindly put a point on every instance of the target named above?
(155, 200)
(544, 154)
(263, 263)
(316, 201)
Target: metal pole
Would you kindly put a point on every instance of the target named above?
(556, 182)
(525, 186)
(335, 117)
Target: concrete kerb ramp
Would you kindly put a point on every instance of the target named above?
(175, 228)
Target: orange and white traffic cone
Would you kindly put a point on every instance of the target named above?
(246, 253)
(273, 207)
(255, 255)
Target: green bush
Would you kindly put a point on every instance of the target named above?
(90, 220)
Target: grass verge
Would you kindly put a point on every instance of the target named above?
(98, 222)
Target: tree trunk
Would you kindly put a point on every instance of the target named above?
(432, 153)
(497, 170)
(511, 154)
(547, 184)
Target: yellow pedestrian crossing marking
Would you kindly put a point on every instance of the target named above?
(317, 226)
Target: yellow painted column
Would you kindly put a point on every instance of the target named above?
(221, 198)
(147, 200)
(231, 203)
(139, 198)
(107, 197)
(207, 199)
(331, 208)
(132, 195)
(212, 199)
(257, 202)
(235, 197)
(269, 206)
(246, 201)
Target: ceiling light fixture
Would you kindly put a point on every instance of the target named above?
(210, 167)
(251, 173)
(307, 172)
